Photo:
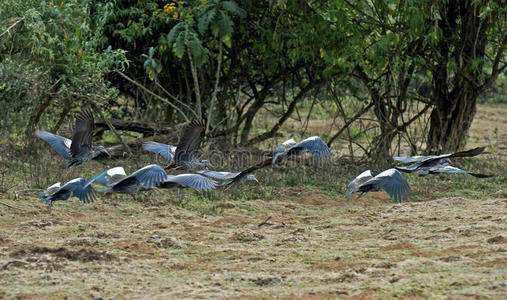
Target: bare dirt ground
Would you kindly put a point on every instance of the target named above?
(302, 244)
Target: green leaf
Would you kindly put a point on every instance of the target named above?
(233, 8)
(205, 19)
(224, 25)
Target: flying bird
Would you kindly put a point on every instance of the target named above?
(314, 144)
(80, 149)
(78, 187)
(434, 164)
(227, 177)
(389, 180)
(143, 179)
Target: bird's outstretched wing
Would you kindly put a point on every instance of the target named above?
(356, 182)
(314, 144)
(110, 176)
(189, 143)
(194, 181)
(59, 143)
(469, 153)
(50, 190)
(451, 169)
(219, 175)
(251, 169)
(392, 182)
(80, 188)
(166, 151)
(150, 176)
(83, 132)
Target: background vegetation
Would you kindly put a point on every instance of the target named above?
(414, 69)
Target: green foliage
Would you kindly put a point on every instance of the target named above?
(262, 54)
(152, 65)
(58, 47)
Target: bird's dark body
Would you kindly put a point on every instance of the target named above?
(370, 188)
(438, 164)
(129, 185)
(59, 195)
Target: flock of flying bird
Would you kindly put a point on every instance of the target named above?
(184, 157)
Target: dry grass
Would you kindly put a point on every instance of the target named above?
(290, 242)
(308, 246)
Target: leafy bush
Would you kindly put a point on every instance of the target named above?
(50, 59)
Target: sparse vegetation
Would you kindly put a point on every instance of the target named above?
(296, 236)
(372, 78)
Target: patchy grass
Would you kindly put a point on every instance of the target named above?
(296, 237)
(304, 244)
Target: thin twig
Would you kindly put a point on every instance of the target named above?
(10, 27)
(154, 95)
(214, 95)
(111, 127)
(265, 222)
(10, 206)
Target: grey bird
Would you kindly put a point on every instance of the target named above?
(195, 181)
(185, 155)
(227, 178)
(389, 180)
(78, 187)
(314, 144)
(143, 179)
(166, 151)
(434, 164)
(80, 149)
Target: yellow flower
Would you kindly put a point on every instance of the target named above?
(176, 15)
(168, 8)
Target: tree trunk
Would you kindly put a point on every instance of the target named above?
(381, 150)
(451, 119)
(463, 45)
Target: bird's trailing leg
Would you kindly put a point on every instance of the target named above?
(49, 206)
(360, 195)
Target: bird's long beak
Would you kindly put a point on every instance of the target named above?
(107, 152)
